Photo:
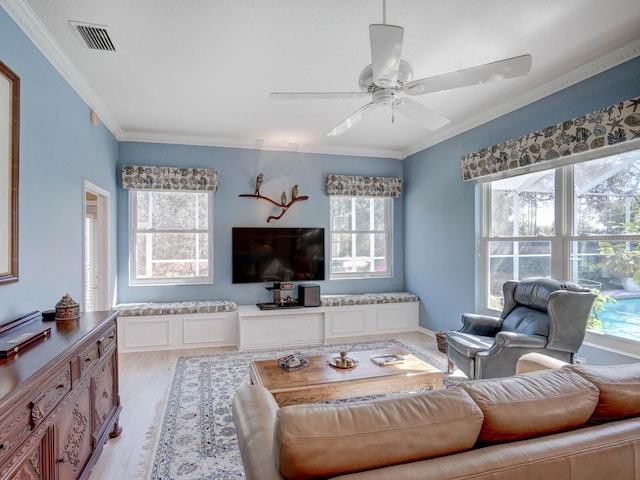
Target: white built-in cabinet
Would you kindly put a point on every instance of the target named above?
(180, 331)
(251, 328)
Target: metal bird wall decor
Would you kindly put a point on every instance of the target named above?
(284, 204)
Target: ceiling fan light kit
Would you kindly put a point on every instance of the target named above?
(388, 78)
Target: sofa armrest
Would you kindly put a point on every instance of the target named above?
(477, 324)
(254, 412)
(532, 362)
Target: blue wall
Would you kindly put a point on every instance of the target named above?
(59, 148)
(441, 214)
(237, 171)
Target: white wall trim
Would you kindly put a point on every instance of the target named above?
(252, 145)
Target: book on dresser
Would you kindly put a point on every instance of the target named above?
(13, 343)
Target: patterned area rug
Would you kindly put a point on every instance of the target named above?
(197, 438)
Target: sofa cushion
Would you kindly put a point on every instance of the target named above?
(532, 404)
(319, 440)
(619, 387)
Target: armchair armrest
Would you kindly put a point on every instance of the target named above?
(500, 360)
(478, 324)
(519, 340)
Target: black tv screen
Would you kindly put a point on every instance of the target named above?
(277, 254)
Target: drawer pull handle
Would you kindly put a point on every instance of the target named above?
(5, 446)
(36, 399)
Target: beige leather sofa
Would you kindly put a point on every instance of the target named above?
(574, 422)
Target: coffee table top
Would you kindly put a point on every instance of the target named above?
(268, 374)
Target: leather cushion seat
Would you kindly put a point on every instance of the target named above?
(619, 387)
(318, 441)
(532, 404)
(469, 345)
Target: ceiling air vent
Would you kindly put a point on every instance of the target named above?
(96, 37)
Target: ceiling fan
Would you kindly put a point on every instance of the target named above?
(389, 77)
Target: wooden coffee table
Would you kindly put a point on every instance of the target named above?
(321, 382)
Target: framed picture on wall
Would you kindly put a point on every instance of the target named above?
(9, 173)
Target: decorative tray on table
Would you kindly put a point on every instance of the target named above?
(387, 359)
(342, 362)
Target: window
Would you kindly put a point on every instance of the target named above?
(361, 237)
(579, 222)
(171, 237)
(521, 225)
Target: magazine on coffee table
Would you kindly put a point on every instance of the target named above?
(387, 359)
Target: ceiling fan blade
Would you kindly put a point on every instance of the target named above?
(386, 47)
(489, 72)
(351, 120)
(315, 95)
(420, 114)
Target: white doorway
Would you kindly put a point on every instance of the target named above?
(96, 248)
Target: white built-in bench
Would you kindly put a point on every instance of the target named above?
(338, 316)
(175, 325)
(163, 326)
(367, 299)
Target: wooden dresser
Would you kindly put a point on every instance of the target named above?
(59, 400)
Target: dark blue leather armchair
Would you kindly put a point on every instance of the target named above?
(540, 315)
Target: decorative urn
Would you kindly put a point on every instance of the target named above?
(67, 308)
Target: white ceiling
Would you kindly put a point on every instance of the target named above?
(200, 71)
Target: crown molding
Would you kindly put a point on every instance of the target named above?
(26, 19)
(147, 137)
(613, 59)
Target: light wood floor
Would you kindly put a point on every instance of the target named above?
(144, 379)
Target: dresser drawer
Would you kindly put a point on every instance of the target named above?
(16, 427)
(31, 410)
(94, 352)
(48, 397)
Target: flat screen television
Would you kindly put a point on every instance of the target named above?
(277, 254)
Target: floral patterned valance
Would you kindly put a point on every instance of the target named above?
(607, 126)
(169, 178)
(354, 186)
